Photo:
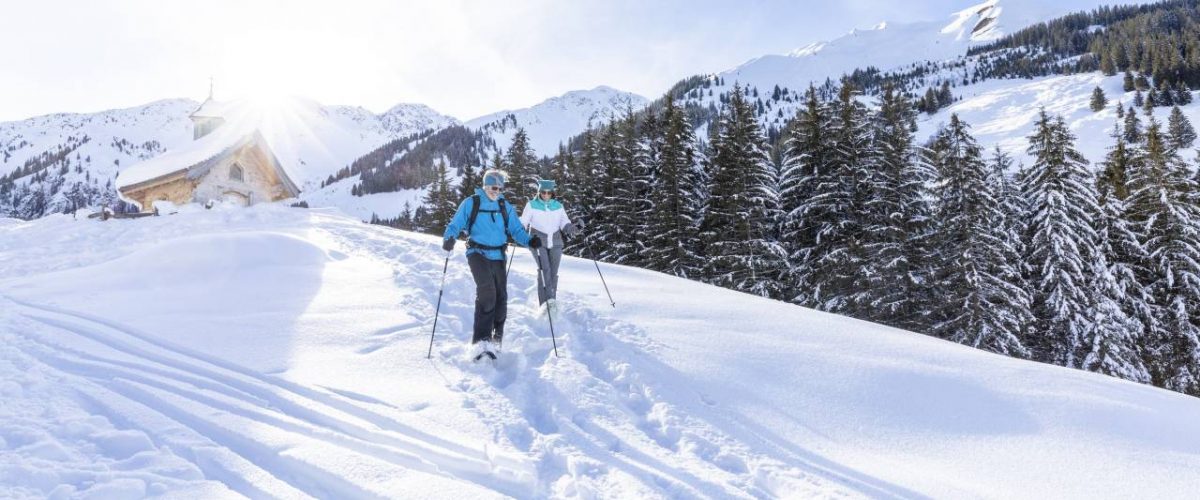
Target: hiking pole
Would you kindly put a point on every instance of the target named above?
(441, 288)
(510, 259)
(542, 275)
(508, 269)
(588, 244)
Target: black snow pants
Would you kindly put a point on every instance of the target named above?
(491, 297)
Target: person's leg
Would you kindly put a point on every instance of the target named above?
(539, 257)
(485, 297)
(554, 257)
(500, 282)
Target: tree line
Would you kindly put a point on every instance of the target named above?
(1055, 261)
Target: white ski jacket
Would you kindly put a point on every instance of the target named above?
(547, 218)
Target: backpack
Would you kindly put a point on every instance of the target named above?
(503, 209)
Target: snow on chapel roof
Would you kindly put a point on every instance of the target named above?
(242, 125)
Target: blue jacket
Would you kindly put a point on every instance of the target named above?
(489, 227)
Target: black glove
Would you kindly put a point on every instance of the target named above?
(535, 242)
(448, 244)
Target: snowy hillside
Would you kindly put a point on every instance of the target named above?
(1002, 112)
(275, 352)
(557, 119)
(891, 45)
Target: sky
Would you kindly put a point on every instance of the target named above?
(464, 58)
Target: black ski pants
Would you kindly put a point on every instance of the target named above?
(491, 297)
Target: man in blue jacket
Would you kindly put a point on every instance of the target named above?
(488, 222)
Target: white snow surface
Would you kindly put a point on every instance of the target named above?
(555, 120)
(277, 352)
(888, 46)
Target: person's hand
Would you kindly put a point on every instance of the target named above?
(570, 230)
(535, 242)
(448, 244)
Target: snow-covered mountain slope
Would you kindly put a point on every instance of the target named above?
(115, 138)
(1002, 113)
(891, 45)
(276, 352)
(557, 119)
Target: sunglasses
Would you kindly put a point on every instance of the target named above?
(547, 192)
(493, 188)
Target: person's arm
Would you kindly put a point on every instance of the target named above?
(459, 222)
(519, 234)
(564, 224)
(526, 215)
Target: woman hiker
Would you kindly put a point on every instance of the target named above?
(547, 220)
(484, 219)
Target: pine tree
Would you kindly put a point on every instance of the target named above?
(979, 300)
(522, 166)
(897, 231)
(1133, 128)
(590, 184)
(1165, 95)
(673, 236)
(440, 203)
(1127, 83)
(1061, 198)
(405, 220)
(805, 172)
(830, 274)
(1123, 310)
(1168, 223)
(1113, 176)
(1180, 134)
(471, 180)
(738, 227)
(1099, 100)
(605, 234)
(630, 182)
(1183, 95)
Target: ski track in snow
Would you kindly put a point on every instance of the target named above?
(546, 406)
(587, 424)
(215, 399)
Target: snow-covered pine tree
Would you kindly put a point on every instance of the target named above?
(805, 171)
(673, 236)
(1132, 131)
(832, 272)
(624, 159)
(898, 229)
(1099, 100)
(471, 180)
(979, 300)
(440, 202)
(1123, 311)
(1061, 198)
(1168, 221)
(405, 220)
(561, 168)
(631, 184)
(738, 229)
(522, 165)
(590, 188)
(604, 233)
(1180, 134)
